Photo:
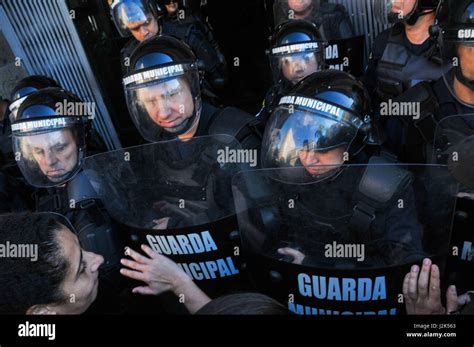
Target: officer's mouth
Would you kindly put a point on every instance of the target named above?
(298, 78)
(171, 124)
(55, 173)
(396, 9)
(316, 171)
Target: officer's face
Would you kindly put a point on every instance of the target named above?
(466, 57)
(299, 5)
(297, 66)
(169, 103)
(145, 29)
(172, 7)
(403, 7)
(314, 161)
(54, 152)
(82, 279)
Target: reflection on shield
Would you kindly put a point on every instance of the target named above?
(453, 145)
(176, 197)
(343, 245)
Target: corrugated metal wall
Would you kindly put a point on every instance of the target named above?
(42, 34)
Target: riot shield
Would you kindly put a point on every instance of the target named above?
(342, 243)
(175, 196)
(454, 147)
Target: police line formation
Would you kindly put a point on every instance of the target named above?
(343, 195)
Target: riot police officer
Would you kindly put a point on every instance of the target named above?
(49, 135)
(327, 185)
(144, 19)
(137, 18)
(297, 50)
(451, 94)
(321, 124)
(404, 54)
(332, 19)
(163, 92)
(444, 129)
(16, 195)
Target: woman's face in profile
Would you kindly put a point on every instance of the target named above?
(82, 279)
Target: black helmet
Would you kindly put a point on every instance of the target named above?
(126, 12)
(297, 50)
(392, 11)
(27, 86)
(49, 136)
(456, 21)
(327, 110)
(162, 87)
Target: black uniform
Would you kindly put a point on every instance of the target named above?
(412, 140)
(391, 235)
(416, 141)
(126, 52)
(396, 64)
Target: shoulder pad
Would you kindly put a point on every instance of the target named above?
(381, 180)
(79, 189)
(230, 121)
(418, 93)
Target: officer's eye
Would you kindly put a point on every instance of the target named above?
(38, 151)
(150, 102)
(60, 148)
(171, 93)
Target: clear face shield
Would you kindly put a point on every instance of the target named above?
(49, 151)
(315, 140)
(394, 11)
(296, 61)
(163, 99)
(131, 17)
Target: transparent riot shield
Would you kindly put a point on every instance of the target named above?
(454, 147)
(176, 197)
(341, 243)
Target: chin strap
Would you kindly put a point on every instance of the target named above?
(416, 15)
(461, 78)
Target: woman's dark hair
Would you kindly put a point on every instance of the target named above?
(25, 282)
(244, 304)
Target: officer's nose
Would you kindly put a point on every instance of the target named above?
(144, 32)
(50, 158)
(299, 67)
(163, 112)
(313, 159)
